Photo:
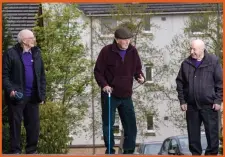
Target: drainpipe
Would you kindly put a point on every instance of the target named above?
(218, 52)
(92, 91)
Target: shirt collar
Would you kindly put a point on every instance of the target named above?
(27, 51)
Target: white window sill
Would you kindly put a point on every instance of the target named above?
(147, 32)
(197, 33)
(150, 131)
(106, 36)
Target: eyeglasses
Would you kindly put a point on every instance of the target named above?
(31, 38)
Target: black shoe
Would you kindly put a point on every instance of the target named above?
(112, 151)
(32, 152)
(128, 152)
(15, 153)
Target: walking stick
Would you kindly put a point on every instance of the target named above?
(109, 98)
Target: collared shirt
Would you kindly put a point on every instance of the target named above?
(196, 62)
(29, 72)
(29, 51)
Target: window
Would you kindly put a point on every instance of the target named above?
(166, 118)
(141, 148)
(149, 73)
(147, 26)
(107, 25)
(184, 143)
(148, 70)
(173, 145)
(116, 127)
(165, 146)
(150, 124)
(152, 149)
(199, 24)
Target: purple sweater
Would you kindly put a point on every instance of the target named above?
(29, 72)
(196, 62)
(122, 53)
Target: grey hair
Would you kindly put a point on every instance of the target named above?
(20, 35)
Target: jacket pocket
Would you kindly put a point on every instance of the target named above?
(208, 74)
(17, 100)
(208, 95)
(122, 84)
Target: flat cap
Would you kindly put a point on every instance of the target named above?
(123, 33)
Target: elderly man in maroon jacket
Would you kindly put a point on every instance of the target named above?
(116, 66)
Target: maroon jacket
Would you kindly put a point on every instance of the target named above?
(111, 70)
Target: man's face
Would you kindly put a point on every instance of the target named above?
(196, 51)
(123, 43)
(28, 39)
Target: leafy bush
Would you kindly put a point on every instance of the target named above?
(221, 144)
(54, 129)
(5, 138)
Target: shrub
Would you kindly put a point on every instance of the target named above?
(54, 129)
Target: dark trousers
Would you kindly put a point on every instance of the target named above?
(209, 117)
(27, 110)
(127, 115)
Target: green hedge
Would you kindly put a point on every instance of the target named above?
(54, 130)
(221, 146)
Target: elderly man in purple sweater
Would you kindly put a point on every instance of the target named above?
(200, 92)
(116, 67)
(24, 86)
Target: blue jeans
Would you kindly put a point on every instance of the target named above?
(126, 112)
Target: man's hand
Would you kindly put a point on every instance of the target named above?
(216, 107)
(141, 79)
(12, 94)
(183, 107)
(107, 89)
(42, 102)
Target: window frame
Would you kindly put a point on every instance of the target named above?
(201, 31)
(151, 73)
(153, 120)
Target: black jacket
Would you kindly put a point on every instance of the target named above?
(13, 75)
(203, 85)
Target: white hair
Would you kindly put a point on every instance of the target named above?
(21, 34)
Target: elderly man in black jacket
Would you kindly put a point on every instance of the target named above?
(24, 86)
(200, 92)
